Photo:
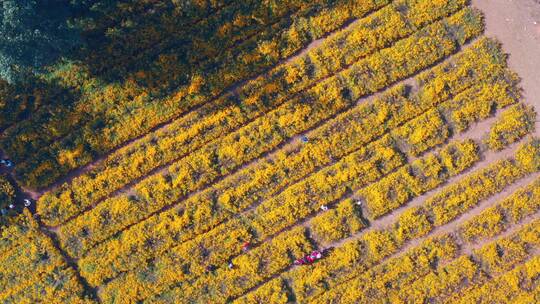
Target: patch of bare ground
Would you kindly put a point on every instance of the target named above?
(516, 24)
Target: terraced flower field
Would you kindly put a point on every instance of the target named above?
(393, 135)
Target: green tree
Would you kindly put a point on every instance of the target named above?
(33, 34)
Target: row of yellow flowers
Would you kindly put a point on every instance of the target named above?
(433, 270)
(513, 125)
(204, 211)
(224, 115)
(199, 169)
(33, 270)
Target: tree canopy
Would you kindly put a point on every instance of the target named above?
(34, 33)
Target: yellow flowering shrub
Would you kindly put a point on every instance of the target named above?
(272, 292)
(413, 223)
(424, 132)
(516, 286)
(469, 109)
(514, 124)
(458, 197)
(372, 284)
(338, 222)
(33, 270)
(419, 177)
(205, 160)
(528, 156)
(492, 221)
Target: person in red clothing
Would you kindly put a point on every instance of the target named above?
(309, 259)
(245, 247)
(315, 255)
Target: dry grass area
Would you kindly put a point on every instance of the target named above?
(399, 138)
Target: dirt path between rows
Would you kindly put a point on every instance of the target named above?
(488, 158)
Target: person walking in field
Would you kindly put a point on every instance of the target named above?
(245, 247)
(309, 259)
(27, 202)
(6, 162)
(209, 268)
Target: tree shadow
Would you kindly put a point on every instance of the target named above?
(19, 101)
(134, 57)
(152, 45)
